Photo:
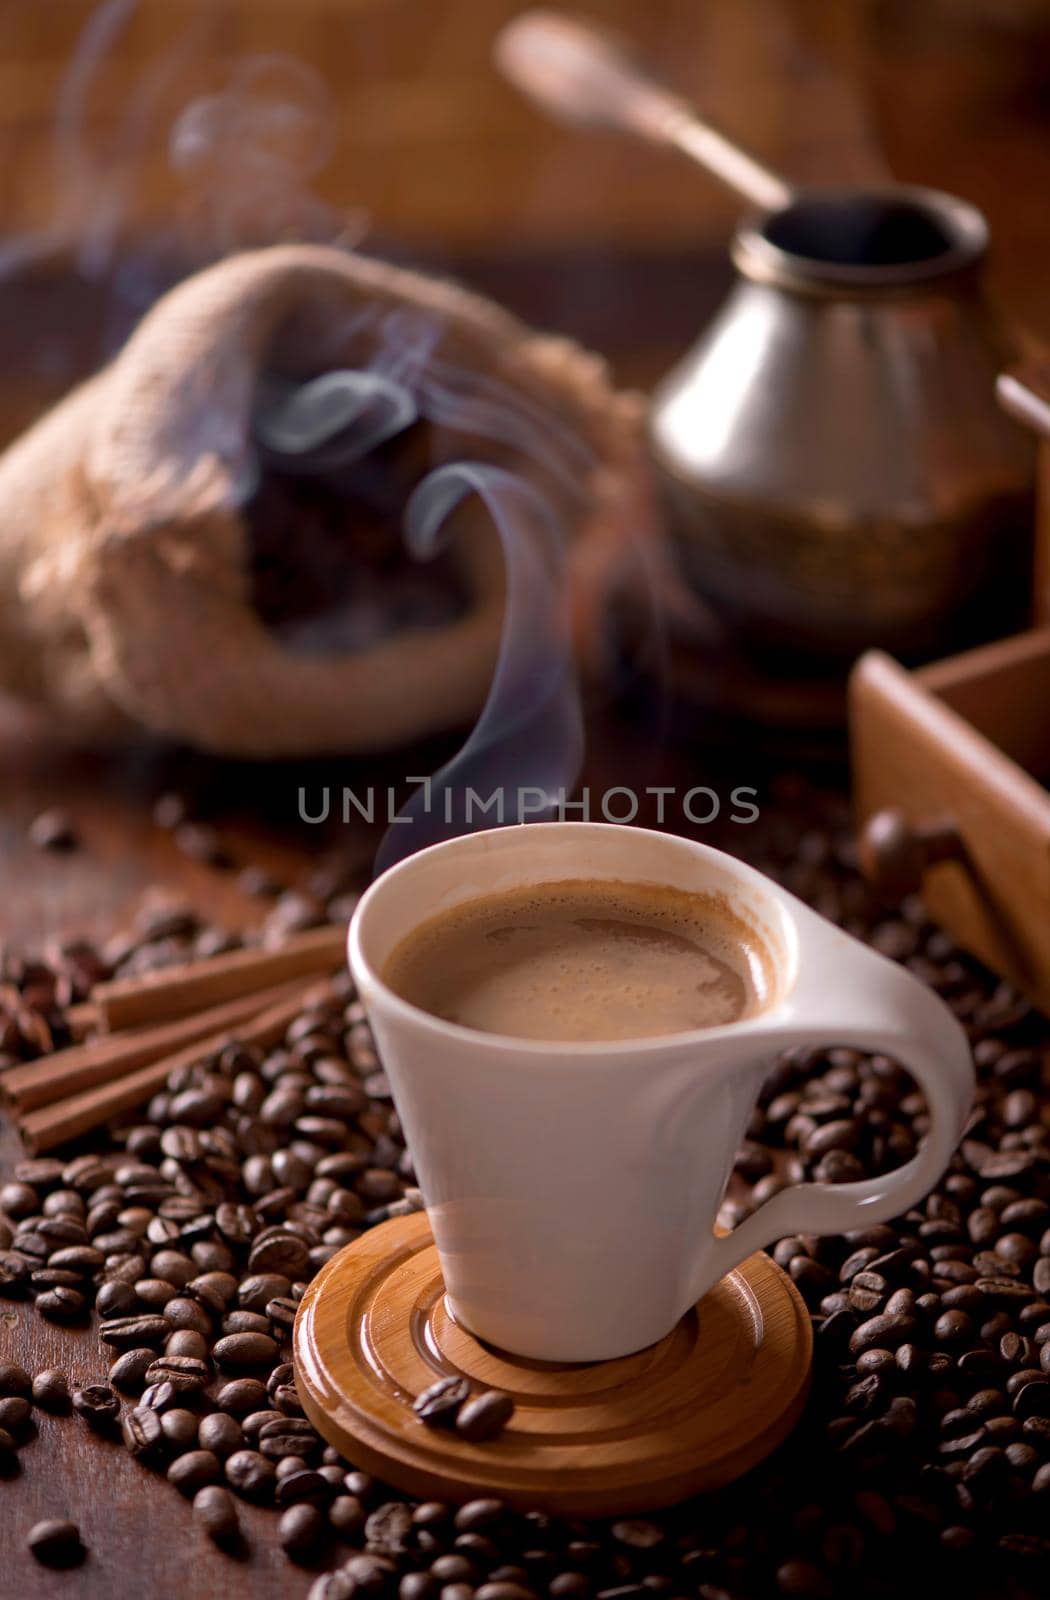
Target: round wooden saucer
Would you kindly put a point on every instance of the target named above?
(646, 1430)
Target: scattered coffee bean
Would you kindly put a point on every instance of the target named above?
(186, 1374)
(221, 1434)
(484, 1415)
(193, 1471)
(439, 1404)
(300, 1531)
(250, 1474)
(14, 1380)
(294, 1488)
(179, 1428)
(141, 1430)
(215, 1510)
(55, 1544)
(51, 1391)
(97, 1404)
(241, 1396)
(16, 1416)
(128, 1372)
(239, 1351)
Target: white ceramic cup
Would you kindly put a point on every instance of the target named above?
(572, 1187)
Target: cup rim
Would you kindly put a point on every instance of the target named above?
(584, 1049)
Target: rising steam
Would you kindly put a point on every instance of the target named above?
(529, 737)
(527, 746)
(334, 420)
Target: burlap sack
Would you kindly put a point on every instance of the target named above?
(124, 594)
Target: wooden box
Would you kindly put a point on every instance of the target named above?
(951, 764)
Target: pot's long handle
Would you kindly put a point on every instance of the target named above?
(581, 75)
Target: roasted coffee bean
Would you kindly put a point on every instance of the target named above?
(280, 1253)
(215, 1291)
(250, 1474)
(179, 1428)
(1032, 1400)
(130, 1333)
(51, 1391)
(484, 1415)
(336, 1585)
(55, 1543)
(300, 1531)
(282, 1374)
(286, 1400)
(14, 1274)
(296, 1488)
(186, 1374)
(15, 1418)
(221, 1434)
(480, 1516)
(453, 1569)
(183, 1313)
(97, 1404)
(154, 1293)
(14, 1381)
(239, 1351)
(241, 1396)
(47, 1278)
(883, 1332)
(115, 1299)
(78, 1258)
(284, 1436)
(193, 1471)
(216, 1511)
(18, 1200)
(281, 1312)
(259, 1288)
(142, 1431)
(346, 1515)
(185, 1342)
(245, 1322)
(389, 1529)
(128, 1372)
(439, 1404)
(62, 1304)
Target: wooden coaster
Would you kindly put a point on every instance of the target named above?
(685, 1415)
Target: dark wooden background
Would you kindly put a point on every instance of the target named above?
(436, 158)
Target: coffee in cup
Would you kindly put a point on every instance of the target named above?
(584, 959)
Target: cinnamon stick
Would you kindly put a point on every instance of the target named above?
(180, 991)
(67, 1072)
(52, 1125)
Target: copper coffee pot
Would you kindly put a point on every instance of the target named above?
(836, 470)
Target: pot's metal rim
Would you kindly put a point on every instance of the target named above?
(761, 260)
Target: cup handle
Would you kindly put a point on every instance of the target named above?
(890, 1013)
